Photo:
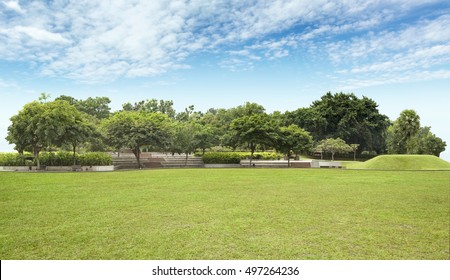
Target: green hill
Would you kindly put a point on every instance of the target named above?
(405, 162)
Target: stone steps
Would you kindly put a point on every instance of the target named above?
(156, 160)
(178, 161)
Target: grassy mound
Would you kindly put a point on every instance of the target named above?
(405, 162)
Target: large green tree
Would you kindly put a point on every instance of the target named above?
(97, 107)
(402, 134)
(78, 132)
(253, 130)
(355, 120)
(185, 138)
(134, 129)
(39, 125)
(429, 143)
(293, 139)
(152, 106)
(333, 146)
(23, 131)
(421, 142)
(408, 125)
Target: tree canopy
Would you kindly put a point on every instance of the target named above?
(406, 136)
(293, 139)
(253, 130)
(337, 123)
(334, 146)
(134, 129)
(345, 116)
(39, 125)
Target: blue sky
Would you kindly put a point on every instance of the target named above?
(280, 54)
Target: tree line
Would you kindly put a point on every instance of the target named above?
(336, 123)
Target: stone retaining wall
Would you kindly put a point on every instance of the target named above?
(59, 168)
(222, 165)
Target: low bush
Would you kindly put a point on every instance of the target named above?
(55, 159)
(13, 159)
(95, 158)
(261, 155)
(368, 154)
(235, 157)
(221, 158)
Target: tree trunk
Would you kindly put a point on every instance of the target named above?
(185, 162)
(252, 150)
(74, 159)
(137, 154)
(36, 156)
(332, 156)
(289, 159)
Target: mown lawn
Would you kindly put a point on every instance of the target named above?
(225, 214)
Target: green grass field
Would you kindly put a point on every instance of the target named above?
(225, 214)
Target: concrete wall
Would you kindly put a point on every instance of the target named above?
(59, 168)
(222, 165)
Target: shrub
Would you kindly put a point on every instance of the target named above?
(95, 158)
(368, 154)
(12, 159)
(56, 159)
(235, 157)
(221, 158)
(260, 155)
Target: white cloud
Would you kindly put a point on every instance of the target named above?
(405, 77)
(414, 53)
(13, 5)
(102, 40)
(7, 84)
(41, 35)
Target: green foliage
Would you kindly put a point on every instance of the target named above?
(425, 142)
(368, 154)
(13, 159)
(88, 125)
(152, 106)
(355, 120)
(253, 130)
(134, 129)
(26, 129)
(333, 146)
(260, 155)
(95, 158)
(235, 157)
(401, 135)
(97, 107)
(56, 159)
(185, 139)
(39, 125)
(221, 158)
(406, 136)
(293, 139)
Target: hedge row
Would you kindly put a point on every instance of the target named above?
(235, 157)
(13, 159)
(55, 159)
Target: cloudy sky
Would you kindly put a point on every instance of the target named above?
(282, 54)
